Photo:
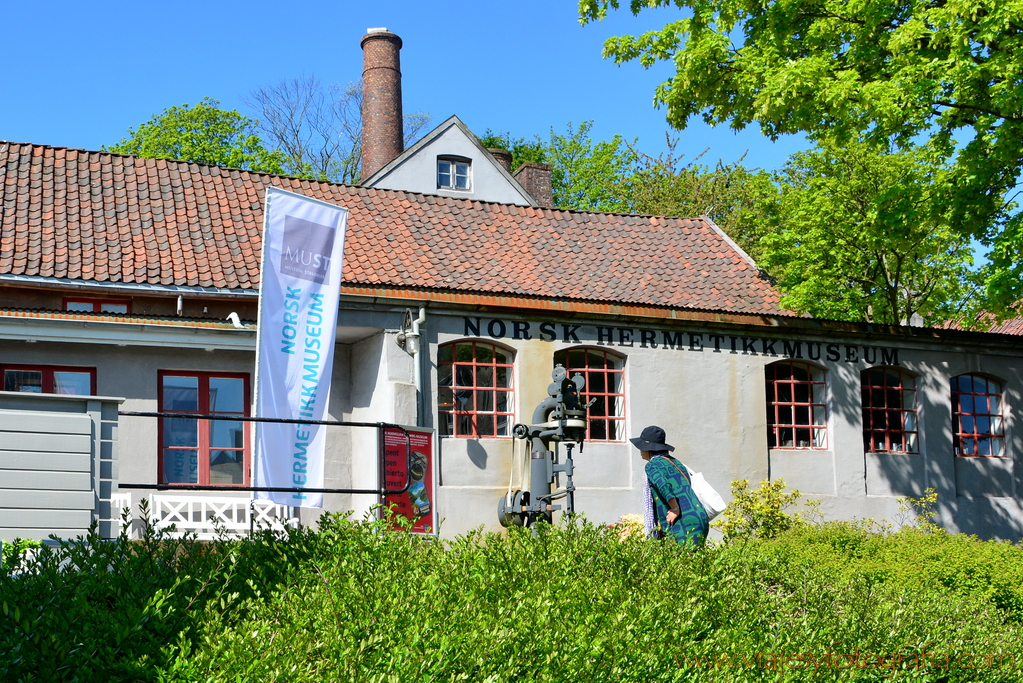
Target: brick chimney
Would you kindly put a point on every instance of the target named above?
(536, 180)
(382, 137)
(502, 156)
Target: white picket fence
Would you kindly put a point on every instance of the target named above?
(208, 517)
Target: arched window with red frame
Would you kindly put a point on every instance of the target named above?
(889, 411)
(977, 416)
(605, 386)
(797, 413)
(475, 396)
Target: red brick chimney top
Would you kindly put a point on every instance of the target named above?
(382, 136)
(536, 180)
(502, 156)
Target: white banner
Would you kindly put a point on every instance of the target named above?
(303, 243)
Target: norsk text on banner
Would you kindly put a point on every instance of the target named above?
(303, 243)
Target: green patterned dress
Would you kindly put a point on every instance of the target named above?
(670, 479)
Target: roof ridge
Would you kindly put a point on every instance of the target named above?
(624, 214)
(785, 313)
(176, 161)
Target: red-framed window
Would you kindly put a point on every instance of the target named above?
(49, 379)
(605, 382)
(889, 411)
(96, 305)
(977, 416)
(797, 414)
(207, 452)
(475, 396)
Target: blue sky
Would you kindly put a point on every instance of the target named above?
(83, 73)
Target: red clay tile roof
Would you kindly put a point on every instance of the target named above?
(1013, 326)
(68, 213)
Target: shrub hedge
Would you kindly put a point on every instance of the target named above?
(356, 602)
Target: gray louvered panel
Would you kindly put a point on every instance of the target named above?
(46, 519)
(43, 442)
(47, 500)
(44, 480)
(51, 462)
(45, 422)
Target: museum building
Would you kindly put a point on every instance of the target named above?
(131, 284)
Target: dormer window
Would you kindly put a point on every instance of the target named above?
(453, 173)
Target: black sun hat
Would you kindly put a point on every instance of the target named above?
(652, 439)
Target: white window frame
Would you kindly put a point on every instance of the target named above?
(452, 174)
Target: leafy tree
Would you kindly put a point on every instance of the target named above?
(738, 199)
(581, 169)
(614, 176)
(583, 172)
(862, 235)
(522, 150)
(902, 72)
(203, 134)
(319, 128)
(1003, 274)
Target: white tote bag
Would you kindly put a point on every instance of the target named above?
(711, 500)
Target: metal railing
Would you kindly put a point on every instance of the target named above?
(382, 491)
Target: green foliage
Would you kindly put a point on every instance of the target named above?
(91, 610)
(355, 601)
(203, 134)
(581, 169)
(14, 552)
(738, 199)
(759, 513)
(522, 150)
(921, 511)
(912, 559)
(891, 72)
(583, 172)
(1003, 275)
(862, 235)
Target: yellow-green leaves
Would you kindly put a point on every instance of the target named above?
(865, 235)
(945, 76)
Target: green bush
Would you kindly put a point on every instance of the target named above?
(13, 553)
(759, 513)
(92, 609)
(579, 604)
(843, 551)
(357, 602)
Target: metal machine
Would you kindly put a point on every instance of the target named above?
(558, 419)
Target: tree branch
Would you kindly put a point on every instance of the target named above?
(982, 110)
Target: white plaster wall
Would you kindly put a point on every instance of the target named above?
(382, 390)
(418, 173)
(710, 402)
(712, 405)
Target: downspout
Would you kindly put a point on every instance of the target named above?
(417, 363)
(408, 338)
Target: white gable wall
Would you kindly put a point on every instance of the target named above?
(417, 171)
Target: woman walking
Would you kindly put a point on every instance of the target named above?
(671, 508)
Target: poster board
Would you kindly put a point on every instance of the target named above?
(419, 503)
